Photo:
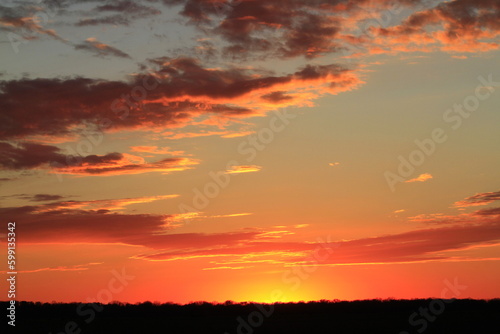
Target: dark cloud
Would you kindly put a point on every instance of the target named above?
(128, 7)
(36, 197)
(281, 28)
(310, 28)
(479, 199)
(293, 28)
(53, 106)
(43, 197)
(488, 212)
(61, 226)
(101, 221)
(35, 156)
(276, 97)
(414, 246)
(460, 25)
(112, 19)
(100, 49)
(175, 92)
(187, 77)
(31, 155)
(22, 20)
(28, 156)
(125, 166)
(126, 13)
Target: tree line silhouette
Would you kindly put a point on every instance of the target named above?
(326, 316)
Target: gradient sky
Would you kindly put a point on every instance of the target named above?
(275, 150)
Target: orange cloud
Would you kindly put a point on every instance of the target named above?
(231, 215)
(101, 222)
(37, 156)
(106, 205)
(228, 267)
(243, 169)
(180, 90)
(156, 150)
(415, 246)
(460, 232)
(78, 267)
(28, 27)
(453, 26)
(127, 164)
(223, 134)
(421, 178)
(252, 92)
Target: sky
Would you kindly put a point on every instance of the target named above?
(247, 150)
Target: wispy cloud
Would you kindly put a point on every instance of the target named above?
(232, 215)
(101, 206)
(22, 20)
(100, 49)
(156, 150)
(35, 156)
(243, 169)
(415, 246)
(37, 197)
(479, 199)
(421, 178)
(222, 134)
(122, 13)
(77, 267)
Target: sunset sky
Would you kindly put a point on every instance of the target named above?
(277, 150)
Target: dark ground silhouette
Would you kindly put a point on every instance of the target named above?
(366, 316)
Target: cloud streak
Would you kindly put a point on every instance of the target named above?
(421, 178)
(24, 22)
(26, 156)
(415, 246)
(122, 13)
(103, 221)
(243, 169)
(479, 199)
(99, 49)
